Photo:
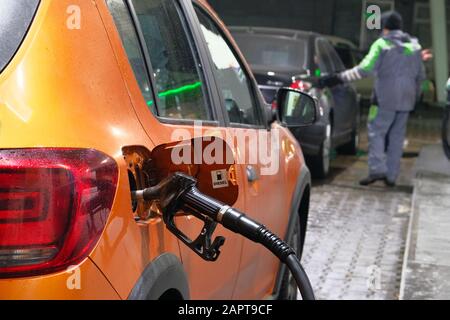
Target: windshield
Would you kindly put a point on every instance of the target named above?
(15, 19)
(273, 52)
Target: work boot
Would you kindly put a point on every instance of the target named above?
(389, 183)
(371, 179)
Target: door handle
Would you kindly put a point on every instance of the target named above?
(252, 175)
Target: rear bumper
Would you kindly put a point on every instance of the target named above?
(84, 283)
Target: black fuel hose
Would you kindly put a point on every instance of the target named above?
(240, 223)
(179, 191)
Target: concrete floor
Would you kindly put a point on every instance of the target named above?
(356, 235)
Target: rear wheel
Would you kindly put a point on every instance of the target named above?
(351, 147)
(320, 164)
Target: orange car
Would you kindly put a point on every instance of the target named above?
(87, 90)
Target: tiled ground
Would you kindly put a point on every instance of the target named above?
(356, 238)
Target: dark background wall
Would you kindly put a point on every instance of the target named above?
(305, 14)
(336, 17)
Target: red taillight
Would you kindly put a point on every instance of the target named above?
(301, 85)
(274, 105)
(54, 204)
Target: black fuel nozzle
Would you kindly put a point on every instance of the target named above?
(170, 194)
(167, 192)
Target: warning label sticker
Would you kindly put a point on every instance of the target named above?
(219, 179)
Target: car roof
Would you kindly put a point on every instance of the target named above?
(290, 33)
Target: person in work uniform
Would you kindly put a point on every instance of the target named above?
(395, 60)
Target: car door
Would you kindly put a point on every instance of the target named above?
(325, 65)
(244, 115)
(344, 94)
(173, 94)
(335, 94)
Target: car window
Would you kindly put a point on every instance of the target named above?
(174, 63)
(322, 58)
(346, 55)
(230, 75)
(338, 66)
(130, 42)
(180, 84)
(15, 19)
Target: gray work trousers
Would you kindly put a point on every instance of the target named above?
(386, 139)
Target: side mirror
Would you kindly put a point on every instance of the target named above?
(296, 108)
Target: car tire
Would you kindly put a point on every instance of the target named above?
(351, 147)
(320, 164)
(289, 290)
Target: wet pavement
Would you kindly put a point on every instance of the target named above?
(356, 237)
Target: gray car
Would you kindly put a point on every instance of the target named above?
(297, 59)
